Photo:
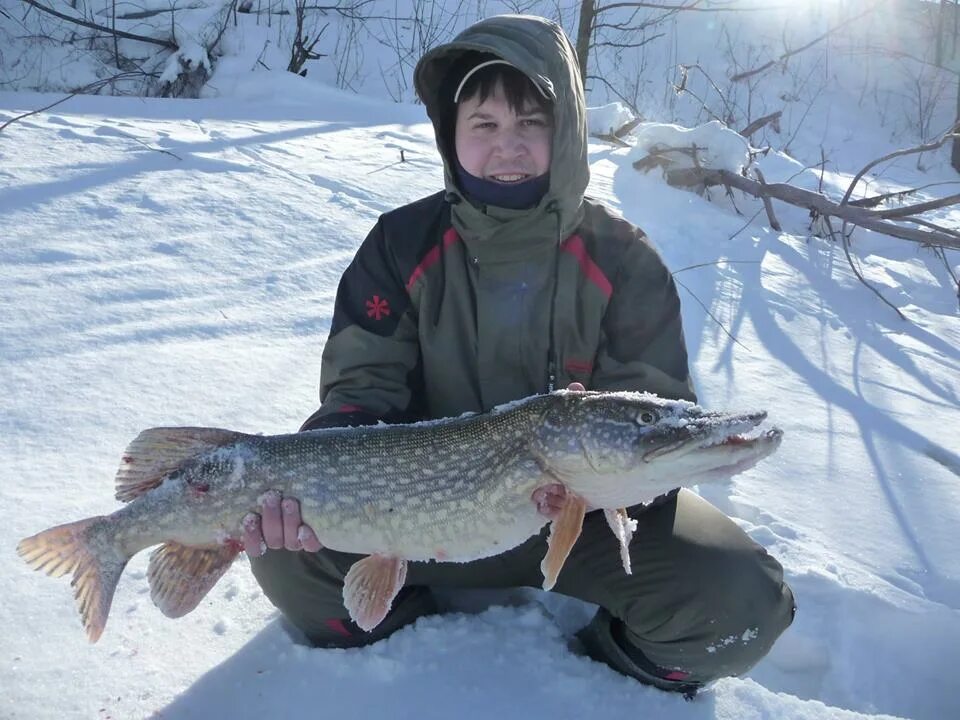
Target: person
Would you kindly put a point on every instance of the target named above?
(507, 284)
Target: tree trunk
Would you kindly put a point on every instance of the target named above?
(584, 34)
(955, 148)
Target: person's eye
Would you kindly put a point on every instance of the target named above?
(535, 122)
(485, 125)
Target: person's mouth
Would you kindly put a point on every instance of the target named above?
(509, 178)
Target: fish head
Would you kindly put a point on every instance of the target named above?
(621, 448)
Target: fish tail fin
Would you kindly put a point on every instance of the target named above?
(80, 548)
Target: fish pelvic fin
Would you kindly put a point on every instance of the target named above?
(157, 452)
(370, 586)
(83, 549)
(623, 527)
(180, 576)
(564, 531)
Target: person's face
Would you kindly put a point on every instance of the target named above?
(495, 143)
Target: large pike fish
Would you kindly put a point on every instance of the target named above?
(455, 490)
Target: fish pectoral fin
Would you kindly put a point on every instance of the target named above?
(564, 531)
(370, 586)
(181, 575)
(623, 527)
(157, 452)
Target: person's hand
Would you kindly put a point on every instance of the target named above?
(278, 526)
(549, 499)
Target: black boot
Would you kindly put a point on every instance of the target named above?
(604, 640)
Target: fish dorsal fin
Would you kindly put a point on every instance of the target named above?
(157, 452)
(180, 576)
(370, 586)
(623, 526)
(564, 531)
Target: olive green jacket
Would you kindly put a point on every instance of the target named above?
(450, 306)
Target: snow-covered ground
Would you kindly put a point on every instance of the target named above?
(175, 262)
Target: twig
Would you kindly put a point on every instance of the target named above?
(768, 204)
(943, 256)
(812, 201)
(711, 315)
(101, 28)
(873, 201)
(717, 262)
(766, 66)
(773, 117)
(96, 85)
(949, 135)
(845, 241)
(919, 207)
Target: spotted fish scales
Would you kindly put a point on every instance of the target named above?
(451, 490)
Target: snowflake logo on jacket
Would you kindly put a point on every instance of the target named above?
(377, 307)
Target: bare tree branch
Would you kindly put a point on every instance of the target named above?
(101, 28)
(950, 134)
(691, 7)
(773, 117)
(768, 205)
(766, 66)
(920, 207)
(812, 201)
(92, 87)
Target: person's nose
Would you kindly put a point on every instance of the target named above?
(511, 144)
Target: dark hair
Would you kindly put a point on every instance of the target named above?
(519, 89)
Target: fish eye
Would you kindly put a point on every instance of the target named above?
(646, 417)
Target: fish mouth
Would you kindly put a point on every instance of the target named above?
(713, 433)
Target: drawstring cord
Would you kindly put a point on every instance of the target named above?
(453, 199)
(554, 207)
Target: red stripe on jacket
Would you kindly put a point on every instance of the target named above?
(432, 257)
(574, 246)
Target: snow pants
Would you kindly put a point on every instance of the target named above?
(704, 600)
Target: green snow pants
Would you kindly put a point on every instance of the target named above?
(704, 601)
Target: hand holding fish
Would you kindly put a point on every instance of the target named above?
(279, 525)
(451, 490)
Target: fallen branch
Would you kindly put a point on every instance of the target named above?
(616, 137)
(768, 205)
(949, 135)
(691, 177)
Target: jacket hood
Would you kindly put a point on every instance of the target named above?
(541, 50)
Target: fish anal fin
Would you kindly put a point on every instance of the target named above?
(157, 452)
(370, 586)
(564, 531)
(623, 527)
(180, 576)
(83, 549)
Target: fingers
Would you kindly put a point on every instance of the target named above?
(549, 499)
(271, 522)
(278, 526)
(251, 536)
(308, 539)
(291, 523)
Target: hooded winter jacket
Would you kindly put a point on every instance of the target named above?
(450, 306)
